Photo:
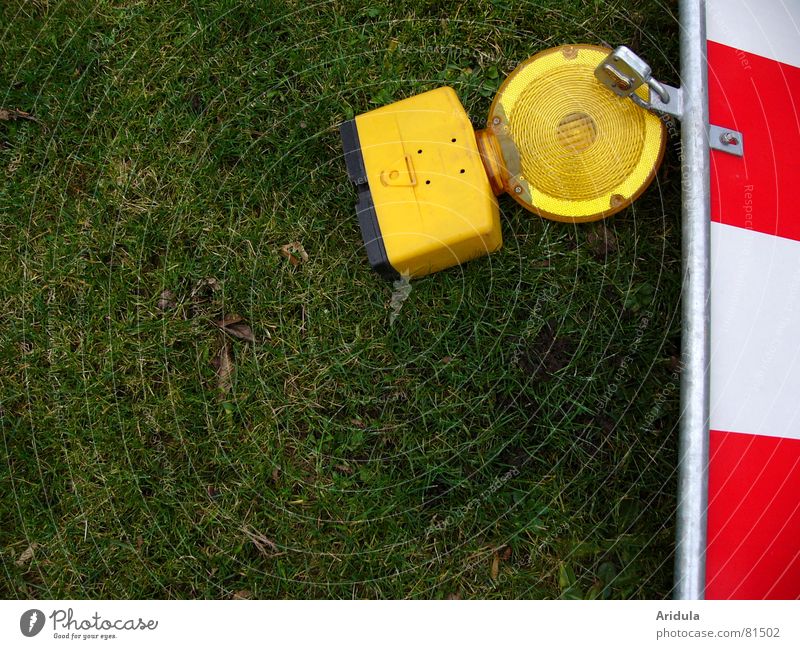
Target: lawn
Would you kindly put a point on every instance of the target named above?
(508, 430)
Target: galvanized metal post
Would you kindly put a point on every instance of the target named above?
(693, 445)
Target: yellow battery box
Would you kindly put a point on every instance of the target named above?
(424, 199)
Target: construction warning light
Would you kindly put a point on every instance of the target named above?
(557, 140)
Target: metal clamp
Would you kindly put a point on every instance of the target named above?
(623, 72)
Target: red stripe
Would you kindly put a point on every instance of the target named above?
(761, 98)
(753, 517)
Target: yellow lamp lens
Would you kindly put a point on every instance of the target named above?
(573, 150)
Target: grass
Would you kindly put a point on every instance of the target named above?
(511, 435)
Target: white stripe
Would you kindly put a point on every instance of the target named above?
(768, 28)
(755, 332)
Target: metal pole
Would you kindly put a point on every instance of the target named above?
(693, 445)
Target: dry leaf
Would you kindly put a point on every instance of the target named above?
(223, 364)
(27, 554)
(454, 596)
(166, 300)
(265, 546)
(294, 252)
(601, 241)
(201, 294)
(242, 594)
(495, 566)
(203, 288)
(235, 326)
(228, 320)
(505, 552)
(12, 114)
(196, 102)
(343, 468)
(276, 474)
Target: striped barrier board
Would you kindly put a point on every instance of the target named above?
(753, 533)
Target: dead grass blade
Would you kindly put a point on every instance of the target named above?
(265, 546)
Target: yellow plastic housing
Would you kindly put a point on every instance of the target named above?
(433, 202)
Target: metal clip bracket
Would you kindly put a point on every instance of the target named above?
(726, 139)
(673, 106)
(623, 72)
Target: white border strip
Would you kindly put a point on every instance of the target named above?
(755, 332)
(769, 28)
(400, 624)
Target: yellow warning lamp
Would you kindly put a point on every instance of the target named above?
(557, 141)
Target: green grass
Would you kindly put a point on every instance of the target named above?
(527, 399)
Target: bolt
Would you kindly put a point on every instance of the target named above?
(496, 121)
(517, 189)
(729, 139)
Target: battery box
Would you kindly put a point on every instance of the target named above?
(424, 199)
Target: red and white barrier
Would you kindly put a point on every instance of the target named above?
(753, 546)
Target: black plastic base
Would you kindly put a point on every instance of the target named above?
(365, 208)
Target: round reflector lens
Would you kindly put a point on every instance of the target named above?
(573, 150)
